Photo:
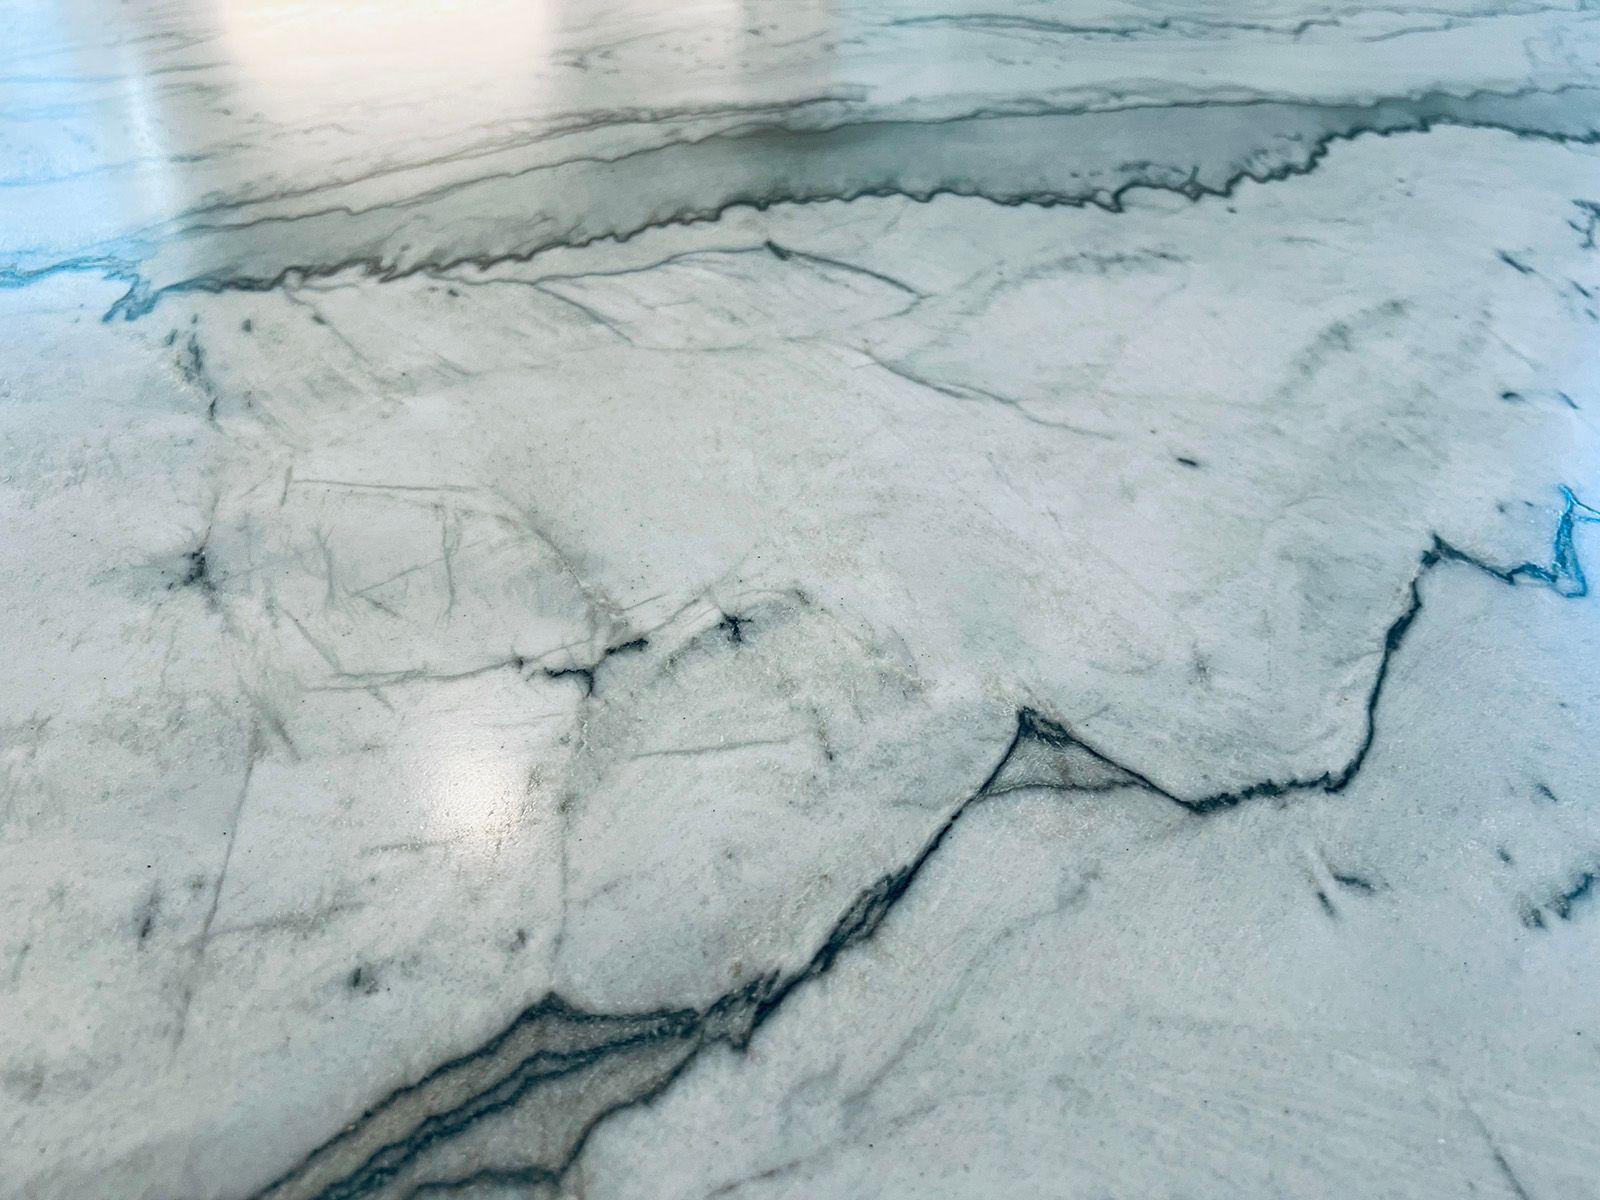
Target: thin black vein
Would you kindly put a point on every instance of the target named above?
(622, 1060)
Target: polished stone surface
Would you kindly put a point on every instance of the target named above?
(632, 600)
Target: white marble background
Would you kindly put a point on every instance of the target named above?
(798, 600)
